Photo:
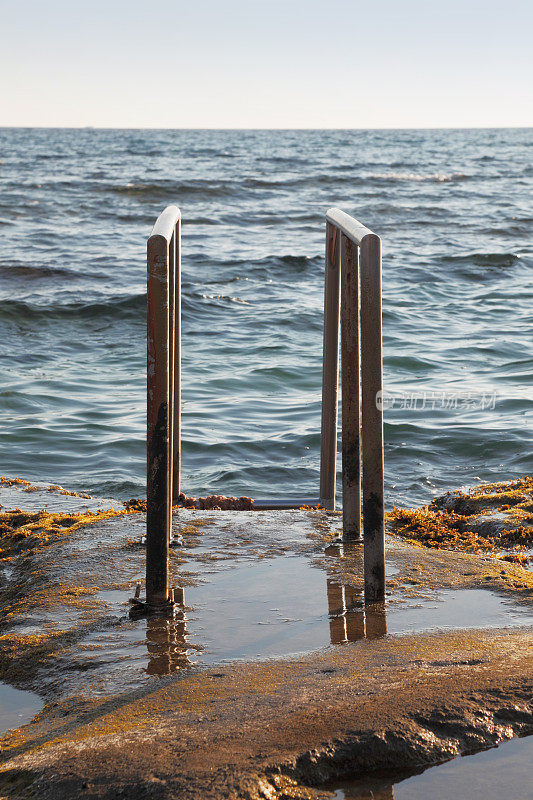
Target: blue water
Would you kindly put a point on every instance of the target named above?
(76, 207)
(502, 772)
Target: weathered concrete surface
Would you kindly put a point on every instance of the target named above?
(265, 730)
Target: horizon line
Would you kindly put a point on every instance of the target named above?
(520, 126)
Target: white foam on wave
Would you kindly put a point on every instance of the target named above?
(435, 177)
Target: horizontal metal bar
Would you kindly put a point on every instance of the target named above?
(353, 229)
(166, 223)
(280, 504)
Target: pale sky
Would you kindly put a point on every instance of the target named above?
(266, 63)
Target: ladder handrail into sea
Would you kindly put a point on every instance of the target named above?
(352, 306)
(163, 434)
(352, 302)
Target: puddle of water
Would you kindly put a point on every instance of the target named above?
(459, 608)
(273, 607)
(267, 608)
(265, 586)
(285, 605)
(17, 707)
(503, 773)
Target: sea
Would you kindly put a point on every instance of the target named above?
(453, 209)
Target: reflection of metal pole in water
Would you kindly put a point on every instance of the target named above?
(336, 610)
(166, 644)
(336, 604)
(369, 791)
(345, 623)
(376, 620)
(349, 620)
(355, 616)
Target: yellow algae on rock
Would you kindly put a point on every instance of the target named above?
(494, 519)
(20, 530)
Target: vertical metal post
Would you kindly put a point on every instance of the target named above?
(372, 428)
(171, 362)
(176, 415)
(330, 369)
(158, 445)
(351, 450)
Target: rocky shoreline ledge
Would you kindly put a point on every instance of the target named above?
(268, 727)
(275, 729)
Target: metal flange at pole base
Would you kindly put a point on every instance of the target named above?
(141, 608)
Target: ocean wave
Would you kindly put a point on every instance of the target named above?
(168, 190)
(293, 161)
(286, 262)
(212, 151)
(202, 220)
(194, 305)
(29, 272)
(354, 179)
(227, 298)
(433, 177)
(259, 217)
(117, 307)
(483, 259)
(296, 262)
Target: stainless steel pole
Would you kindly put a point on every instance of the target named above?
(372, 428)
(176, 449)
(158, 445)
(351, 449)
(171, 361)
(330, 369)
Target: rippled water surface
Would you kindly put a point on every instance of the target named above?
(76, 207)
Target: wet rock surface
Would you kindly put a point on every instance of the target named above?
(282, 728)
(162, 708)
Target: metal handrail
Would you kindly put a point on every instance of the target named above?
(163, 397)
(351, 228)
(166, 222)
(349, 246)
(352, 302)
